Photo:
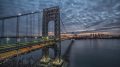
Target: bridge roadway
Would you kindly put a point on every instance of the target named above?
(24, 49)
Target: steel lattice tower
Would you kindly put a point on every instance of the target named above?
(51, 14)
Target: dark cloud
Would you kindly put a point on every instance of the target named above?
(76, 14)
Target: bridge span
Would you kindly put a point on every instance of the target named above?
(44, 42)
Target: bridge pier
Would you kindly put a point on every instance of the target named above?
(47, 61)
(57, 51)
(45, 58)
(57, 62)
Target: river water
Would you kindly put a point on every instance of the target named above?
(86, 53)
(95, 53)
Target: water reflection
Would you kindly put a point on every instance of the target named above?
(66, 56)
(96, 53)
(81, 53)
(30, 60)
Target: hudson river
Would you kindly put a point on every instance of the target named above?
(88, 53)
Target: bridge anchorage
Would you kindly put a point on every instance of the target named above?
(51, 14)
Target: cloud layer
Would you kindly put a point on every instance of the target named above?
(77, 15)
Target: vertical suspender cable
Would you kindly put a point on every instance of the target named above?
(3, 26)
(17, 36)
(33, 23)
(63, 26)
(2, 32)
(7, 37)
(35, 26)
(17, 29)
(31, 26)
(38, 25)
(26, 28)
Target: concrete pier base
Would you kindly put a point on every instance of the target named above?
(45, 60)
(58, 62)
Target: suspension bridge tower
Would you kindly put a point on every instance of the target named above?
(51, 14)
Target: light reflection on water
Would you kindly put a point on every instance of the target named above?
(96, 53)
(87, 53)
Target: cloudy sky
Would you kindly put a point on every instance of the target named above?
(77, 15)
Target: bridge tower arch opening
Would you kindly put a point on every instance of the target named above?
(51, 28)
(51, 14)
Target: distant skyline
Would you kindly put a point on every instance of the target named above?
(77, 15)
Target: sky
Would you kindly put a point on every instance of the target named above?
(76, 15)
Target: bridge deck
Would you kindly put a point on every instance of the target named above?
(14, 53)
